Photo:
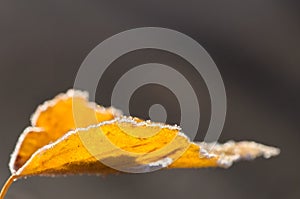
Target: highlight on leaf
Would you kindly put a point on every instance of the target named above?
(114, 144)
(52, 120)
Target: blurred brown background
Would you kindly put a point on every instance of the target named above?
(255, 44)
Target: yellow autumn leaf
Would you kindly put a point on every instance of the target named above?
(116, 144)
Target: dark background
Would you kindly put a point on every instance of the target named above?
(255, 44)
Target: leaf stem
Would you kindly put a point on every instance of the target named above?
(6, 186)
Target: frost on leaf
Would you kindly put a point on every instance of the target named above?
(57, 143)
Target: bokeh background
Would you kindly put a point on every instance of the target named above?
(255, 44)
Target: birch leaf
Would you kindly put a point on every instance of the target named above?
(117, 144)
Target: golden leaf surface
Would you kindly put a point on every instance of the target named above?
(54, 146)
(53, 119)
